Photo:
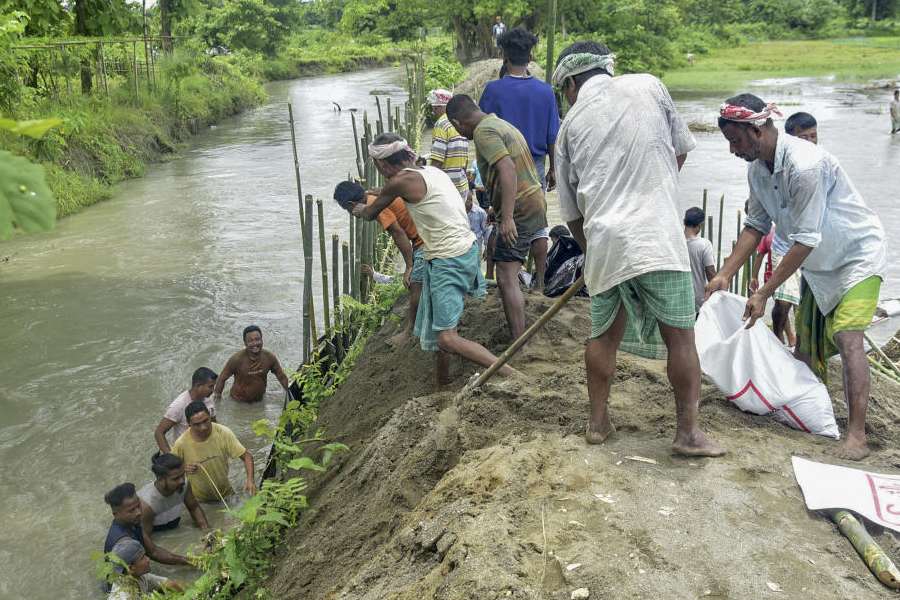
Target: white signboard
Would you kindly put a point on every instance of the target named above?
(872, 495)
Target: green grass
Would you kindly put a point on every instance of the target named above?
(850, 59)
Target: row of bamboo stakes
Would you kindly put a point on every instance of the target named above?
(366, 242)
(740, 283)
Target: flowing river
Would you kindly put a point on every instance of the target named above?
(103, 320)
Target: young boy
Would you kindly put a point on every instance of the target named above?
(478, 223)
(700, 250)
(138, 580)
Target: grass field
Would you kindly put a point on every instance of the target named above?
(851, 59)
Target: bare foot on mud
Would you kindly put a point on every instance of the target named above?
(399, 340)
(696, 444)
(853, 449)
(598, 434)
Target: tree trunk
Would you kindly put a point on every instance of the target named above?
(81, 28)
(874, 9)
(473, 41)
(165, 24)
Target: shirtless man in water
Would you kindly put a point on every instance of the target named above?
(250, 368)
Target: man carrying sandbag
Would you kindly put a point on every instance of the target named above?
(836, 238)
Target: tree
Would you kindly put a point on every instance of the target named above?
(45, 17)
(98, 18)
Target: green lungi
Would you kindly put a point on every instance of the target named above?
(815, 331)
(445, 284)
(651, 298)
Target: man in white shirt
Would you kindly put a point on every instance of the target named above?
(618, 154)
(203, 382)
(833, 235)
(700, 250)
(453, 262)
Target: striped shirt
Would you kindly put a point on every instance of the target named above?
(452, 151)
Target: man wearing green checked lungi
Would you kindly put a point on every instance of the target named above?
(833, 235)
(618, 154)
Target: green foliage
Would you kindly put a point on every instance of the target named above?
(12, 25)
(243, 24)
(442, 69)
(26, 203)
(45, 17)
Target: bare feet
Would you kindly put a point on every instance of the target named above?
(853, 448)
(696, 444)
(597, 434)
(399, 340)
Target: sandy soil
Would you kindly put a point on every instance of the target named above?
(494, 494)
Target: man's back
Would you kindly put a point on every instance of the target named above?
(616, 168)
(529, 104)
(440, 216)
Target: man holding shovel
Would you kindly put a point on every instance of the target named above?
(836, 239)
(618, 154)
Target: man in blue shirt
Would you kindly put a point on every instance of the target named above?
(530, 105)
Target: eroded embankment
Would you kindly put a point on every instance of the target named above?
(495, 495)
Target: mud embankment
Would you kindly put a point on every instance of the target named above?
(494, 494)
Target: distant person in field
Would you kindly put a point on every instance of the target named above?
(205, 450)
(804, 126)
(618, 155)
(164, 500)
(203, 382)
(453, 263)
(395, 220)
(895, 112)
(250, 368)
(520, 211)
(449, 149)
(700, 251)
(137, 582)
(835, 238)
(497, 31)
(529, 104)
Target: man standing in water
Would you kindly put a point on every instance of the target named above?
(396, 221)
(618, 154)
(163, 500)
(505, 163)
(449, 150)
(453, 264)
(202, 383)
(250, 368)
(205, 449)
(836, 239)
(126, 511)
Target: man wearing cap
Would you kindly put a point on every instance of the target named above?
(449, 150)
(618, 154)
(137, 580)
(452, 260)
(833, 236)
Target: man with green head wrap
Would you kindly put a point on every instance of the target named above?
(618, 154)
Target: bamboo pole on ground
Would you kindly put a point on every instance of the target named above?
(529, 333)
(882, 355)
(871, 553)
(296, 165)
(705, 233)
(336, 278)
(345, 260)
(721, 220)
(352, 240)
(326, 305)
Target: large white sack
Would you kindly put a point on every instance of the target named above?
(756, 371)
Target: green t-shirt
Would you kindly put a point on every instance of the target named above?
(213, 455)
(494, 139)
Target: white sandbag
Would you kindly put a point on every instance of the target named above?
(756, 371)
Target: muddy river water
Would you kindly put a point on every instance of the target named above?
(103, 320)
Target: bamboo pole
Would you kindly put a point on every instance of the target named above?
(871, 553)
(357, 259)
(307, 282)
(721, 220)
(709, 228)
(359, 162)
(345, 256)
(296, 166)
(551, 37)
(353, 226)
(379, 124)
(390, 115)
(326, 304)
(529, 333)
(882, 355)
(705, 193)
(336, 278)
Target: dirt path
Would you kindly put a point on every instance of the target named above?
(495, 494)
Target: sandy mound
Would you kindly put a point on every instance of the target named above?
(495, 495)
(480, 72)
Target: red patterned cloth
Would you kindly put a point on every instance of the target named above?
(742, 114)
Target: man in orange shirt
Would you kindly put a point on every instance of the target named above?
(394, 219)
